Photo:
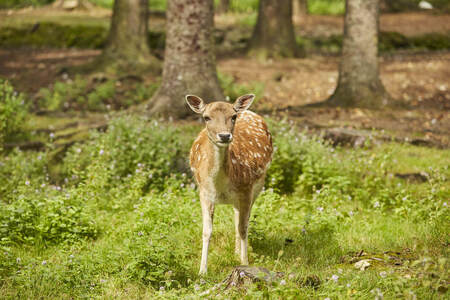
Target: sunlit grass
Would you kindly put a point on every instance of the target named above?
(149, 233)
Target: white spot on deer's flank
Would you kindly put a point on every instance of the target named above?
(233, 161)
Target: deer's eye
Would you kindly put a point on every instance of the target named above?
(207, 118)
(233, 118)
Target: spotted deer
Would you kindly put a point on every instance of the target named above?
(229, 160)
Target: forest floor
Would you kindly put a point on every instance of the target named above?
(381, 204)
(421, 80)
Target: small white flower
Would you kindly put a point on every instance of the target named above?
(242, 274)
(18, 260)
(350, 213)
(327, 298)
(161, 288)
(44, 262)
(320, 208)
(383, 274)
(376, 204)
(444, 204)
(78, 150)
(140, 233)
(283, 282)
(335, 278)
(101, 151)
(27, 182)
(42, 185)
(52, 135)
(348, 285)
(196, 287)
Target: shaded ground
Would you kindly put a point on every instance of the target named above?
(422, 81)
(408, 24)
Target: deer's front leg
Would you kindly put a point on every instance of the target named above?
(207, 216)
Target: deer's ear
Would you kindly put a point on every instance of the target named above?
(195, 103)
(243, 102)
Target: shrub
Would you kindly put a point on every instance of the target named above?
(295, 156)
(37, 218)
(13, 113)
(134, 151)
(14, 174)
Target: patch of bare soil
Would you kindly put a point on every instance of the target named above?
(420, 81)
(31, 70)
(409, 24)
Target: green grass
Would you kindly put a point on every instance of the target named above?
(122, 219)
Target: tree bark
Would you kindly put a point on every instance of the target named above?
(300, 7)
(359, 82)
(127, 47)
(189, 63)
(273, 35)
(223, 7)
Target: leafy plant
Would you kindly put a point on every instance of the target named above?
(13, 113)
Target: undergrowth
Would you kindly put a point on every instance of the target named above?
(81, 94)
(122, 219)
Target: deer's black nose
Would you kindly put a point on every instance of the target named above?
(225, 137)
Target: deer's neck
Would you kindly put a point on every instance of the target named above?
(219, 160)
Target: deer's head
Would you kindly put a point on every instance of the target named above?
(220, 116)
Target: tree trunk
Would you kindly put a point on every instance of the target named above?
(300, 8)
(223, 6)
(127, 47)
(189, 63)
(273, 35)
(359, 82)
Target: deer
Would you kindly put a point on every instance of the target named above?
(229, 160)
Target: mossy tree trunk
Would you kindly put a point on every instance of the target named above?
(359, 82)
(273, 35)
(223, 6)
(127, 49)
(189, 61)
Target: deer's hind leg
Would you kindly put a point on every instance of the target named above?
(242, 216)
